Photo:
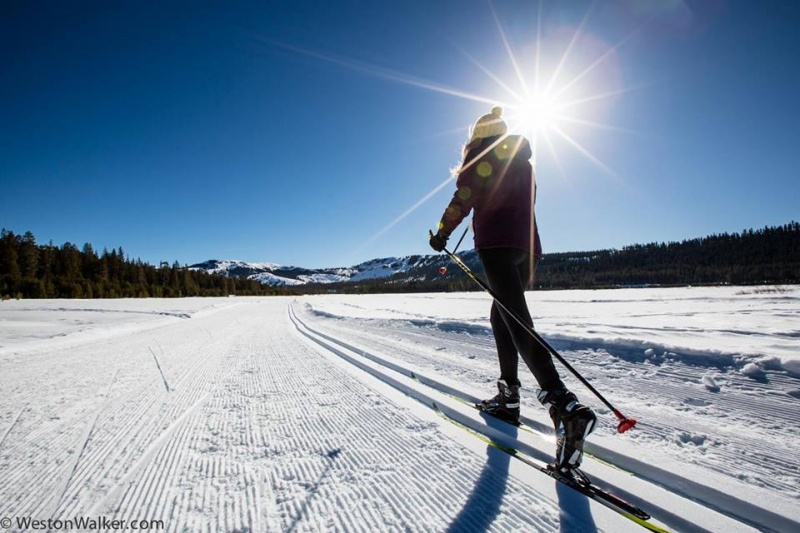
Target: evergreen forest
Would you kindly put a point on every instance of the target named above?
(29, 270)
(765, 256)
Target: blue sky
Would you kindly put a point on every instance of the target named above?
(304, 132)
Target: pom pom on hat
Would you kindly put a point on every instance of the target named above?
(489, 125)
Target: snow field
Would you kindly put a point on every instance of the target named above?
(244, 429)
(228, 415)
(695, 485)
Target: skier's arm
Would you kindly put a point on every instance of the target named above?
(460, 206)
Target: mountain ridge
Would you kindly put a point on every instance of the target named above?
(277, 275)
(769, 255)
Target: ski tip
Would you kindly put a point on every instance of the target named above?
(626, 424)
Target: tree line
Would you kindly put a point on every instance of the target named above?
(30, 270)
(766, 256)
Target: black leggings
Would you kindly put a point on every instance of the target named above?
(509, 271)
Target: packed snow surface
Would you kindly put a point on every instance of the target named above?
(351, 413)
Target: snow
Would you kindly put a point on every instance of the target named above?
(322, 278)
(317, 413)
(381, 268)
(265, 272)
(268, 278)
(225, 265)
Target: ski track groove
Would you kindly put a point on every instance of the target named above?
(512, 513)
(125, 428)
(75, 471)
(38, 489)
(113, 448)
(158, 478)
(10, 427)
(727, 447)
(413, 502)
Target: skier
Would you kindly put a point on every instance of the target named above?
(496, 179)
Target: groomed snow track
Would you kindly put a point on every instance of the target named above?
(264, 415)
(661, 490)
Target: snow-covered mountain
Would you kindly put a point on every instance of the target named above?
(409, 267)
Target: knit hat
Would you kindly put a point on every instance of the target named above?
(489, 125)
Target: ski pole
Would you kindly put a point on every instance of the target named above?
(461, 239)
(443, 269)
(625, 423)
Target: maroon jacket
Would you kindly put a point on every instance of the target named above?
(499, 185)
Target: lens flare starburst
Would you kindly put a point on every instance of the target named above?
(563, 80)
(559, 84)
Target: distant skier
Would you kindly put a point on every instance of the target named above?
(496, 179)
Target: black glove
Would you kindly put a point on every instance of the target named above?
(438, 241)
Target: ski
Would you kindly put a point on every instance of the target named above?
(580, 482)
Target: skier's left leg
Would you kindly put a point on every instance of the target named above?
(507, 354)
(505, 404)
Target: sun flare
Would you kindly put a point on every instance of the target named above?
(554, 95)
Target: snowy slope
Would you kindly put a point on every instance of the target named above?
(280, 275)
(282, 414)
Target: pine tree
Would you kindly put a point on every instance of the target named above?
(10, 274)
(28, 256)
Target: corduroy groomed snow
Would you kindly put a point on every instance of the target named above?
(489, 125)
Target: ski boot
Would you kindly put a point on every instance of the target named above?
(573, 422)
(505, 405)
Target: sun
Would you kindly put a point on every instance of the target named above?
(537, 114)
